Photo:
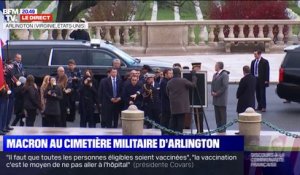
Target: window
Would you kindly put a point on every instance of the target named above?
(101, 59)
(293, 60)
(62, 56)
(30, 56)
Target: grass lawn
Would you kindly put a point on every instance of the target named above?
(144, 10)
(187, 11)
(25, 4)
(165, 13)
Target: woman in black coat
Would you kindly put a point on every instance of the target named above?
(53, 95)
(88, 101)
(31, 100)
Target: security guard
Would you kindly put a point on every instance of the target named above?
(198, 112)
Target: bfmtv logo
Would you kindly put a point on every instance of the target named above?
(13, 15)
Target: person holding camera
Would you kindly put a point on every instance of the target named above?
(74, 81)
(53, 95)
(88, 101)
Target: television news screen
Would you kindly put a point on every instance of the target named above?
(105, 87)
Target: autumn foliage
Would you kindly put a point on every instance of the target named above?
(242, 9)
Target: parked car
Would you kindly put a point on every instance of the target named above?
(289, 75)
(42, 57)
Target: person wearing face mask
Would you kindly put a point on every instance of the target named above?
(31, 100)
(53, 95)
(88, 101)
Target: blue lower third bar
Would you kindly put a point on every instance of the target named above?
(121, 143)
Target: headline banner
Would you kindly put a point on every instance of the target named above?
(122, 143)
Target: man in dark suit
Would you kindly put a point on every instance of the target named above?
(111, 100)
(165, 101)
(246, 91)
(261, 70)
(18, 69)
(178, 92)
(219, 92)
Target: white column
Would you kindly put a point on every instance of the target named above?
(126, 35)
(137, 41)
(231, 29)
(107, 33)
(49, 35)
(117, 35)
(59, 35)
(280, 34)
(98, 36)
(30, 35)
(221, 34)
(251, 31)
(241, 33)
(191, 35)
(211, 35)
(202, 35)
(261, 31)
(290, 34)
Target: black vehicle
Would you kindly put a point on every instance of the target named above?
(43, 57)
(289, 75)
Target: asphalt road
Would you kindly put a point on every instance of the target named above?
(286, 116)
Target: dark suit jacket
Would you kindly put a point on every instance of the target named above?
(165, 101)
(18, 70)
(31, 98)
(246, 93)
(263, 70)
(107, 105)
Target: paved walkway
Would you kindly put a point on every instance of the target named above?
(232, 63)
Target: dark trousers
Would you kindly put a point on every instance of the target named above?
(63, 117)
(261, 95)
(221, 116)
(19, 117)
(52, 121)
(164, 121)
(110, 118)
(87, 117)
(72, 107)
(10, 108)
(3, 111)
(198, 116)
(31, 115)
(177, 122)
(152, 113)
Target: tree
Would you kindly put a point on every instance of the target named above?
(243, 9)
(67, 10)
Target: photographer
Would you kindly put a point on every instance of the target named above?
(53, 95)
(74, 79)
(88, 101)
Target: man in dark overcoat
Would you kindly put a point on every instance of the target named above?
(178, 92)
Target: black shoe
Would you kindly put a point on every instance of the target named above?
(258, 109)
(2, 133)
(237, 133)
(10, 128)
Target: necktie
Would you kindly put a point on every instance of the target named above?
(114, 88)
(256, 68)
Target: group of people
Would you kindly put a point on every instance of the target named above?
(162, 95)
